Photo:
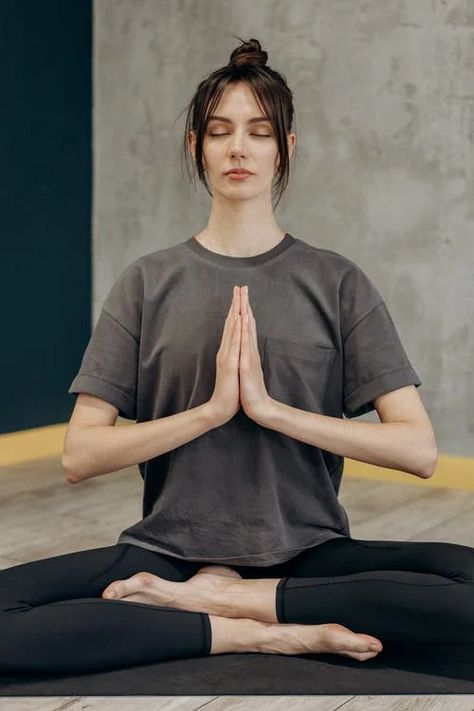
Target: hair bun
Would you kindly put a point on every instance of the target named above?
(249, 52)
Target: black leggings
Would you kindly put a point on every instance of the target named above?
(53, 619)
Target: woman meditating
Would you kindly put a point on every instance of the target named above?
(237, 353)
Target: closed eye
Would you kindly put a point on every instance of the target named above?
(257, 135)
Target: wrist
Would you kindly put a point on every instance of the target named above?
(212, 415)
(266, 413)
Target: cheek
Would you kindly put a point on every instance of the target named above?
(268, 160)
(270, 155)
(212, 151)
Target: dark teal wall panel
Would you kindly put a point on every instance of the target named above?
(45, 215)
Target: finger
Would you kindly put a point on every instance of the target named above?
(251, 329)
(245, 298)
(231, 308)
(234, 304)
(230, 320)
(233, 344)
(244, 330)
(237, 325)
(238, 311)
(236, 299)
(237, 332)
(234, 325)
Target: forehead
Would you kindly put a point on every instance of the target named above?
(238, 103)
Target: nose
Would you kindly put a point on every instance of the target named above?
(235, 150)
(237, 147)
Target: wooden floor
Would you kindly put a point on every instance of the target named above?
(43, 515)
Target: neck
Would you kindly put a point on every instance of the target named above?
(236, 237)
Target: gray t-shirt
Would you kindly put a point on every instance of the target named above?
(242, 493)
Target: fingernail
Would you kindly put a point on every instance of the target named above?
(374, 647)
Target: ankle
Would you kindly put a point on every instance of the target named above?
(238, 634)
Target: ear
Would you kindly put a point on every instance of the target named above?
(291, 143)
(192, 142)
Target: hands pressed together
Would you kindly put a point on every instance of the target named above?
(239, 375)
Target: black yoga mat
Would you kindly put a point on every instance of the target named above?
(398, 669)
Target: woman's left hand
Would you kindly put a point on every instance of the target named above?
(254, 397)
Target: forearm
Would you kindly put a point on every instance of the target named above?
(395, 445)
(101, 449)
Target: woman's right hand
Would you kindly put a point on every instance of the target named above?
(225, 400)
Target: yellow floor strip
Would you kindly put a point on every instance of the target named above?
(451, 471)
(45, 442)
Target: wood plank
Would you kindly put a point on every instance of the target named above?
(454, 702)
(36, 703)
(43, 516)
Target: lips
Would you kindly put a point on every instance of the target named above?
(238, 171)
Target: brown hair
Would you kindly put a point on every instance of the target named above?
(247, 63)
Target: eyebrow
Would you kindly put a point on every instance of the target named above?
(255, 119)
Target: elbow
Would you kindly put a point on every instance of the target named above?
(72, 476)
(430, 466)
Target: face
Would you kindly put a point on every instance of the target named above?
(239, 142)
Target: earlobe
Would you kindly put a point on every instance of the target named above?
(191, 144)
(291, 145)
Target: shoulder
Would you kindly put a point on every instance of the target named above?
(356, 292)
(332, 263)
(152, 262)
(147, 265)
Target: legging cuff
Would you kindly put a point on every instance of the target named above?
(280, 604)
(207, 633)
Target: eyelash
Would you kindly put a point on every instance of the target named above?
(257, 135)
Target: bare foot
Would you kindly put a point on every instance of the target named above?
(329, 638)
(143, 587)
(148, 588)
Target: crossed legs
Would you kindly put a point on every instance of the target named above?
(53, 618)
(402, 591)
(242, 614)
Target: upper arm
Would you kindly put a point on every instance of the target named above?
(405, 405)
(89, 410)
(92, 410)
(109, 367)
(375, 362)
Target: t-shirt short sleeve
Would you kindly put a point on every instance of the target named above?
(375, 361)
(109, 366)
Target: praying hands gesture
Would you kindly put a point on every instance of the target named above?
(239, 375)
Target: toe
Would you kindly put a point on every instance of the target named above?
(362, 643)
(112, 590)
(352, 641)
(371, 643)
(121, 588)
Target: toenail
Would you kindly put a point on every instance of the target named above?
(111, 594)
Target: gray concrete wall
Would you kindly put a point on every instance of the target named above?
(384, 98)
